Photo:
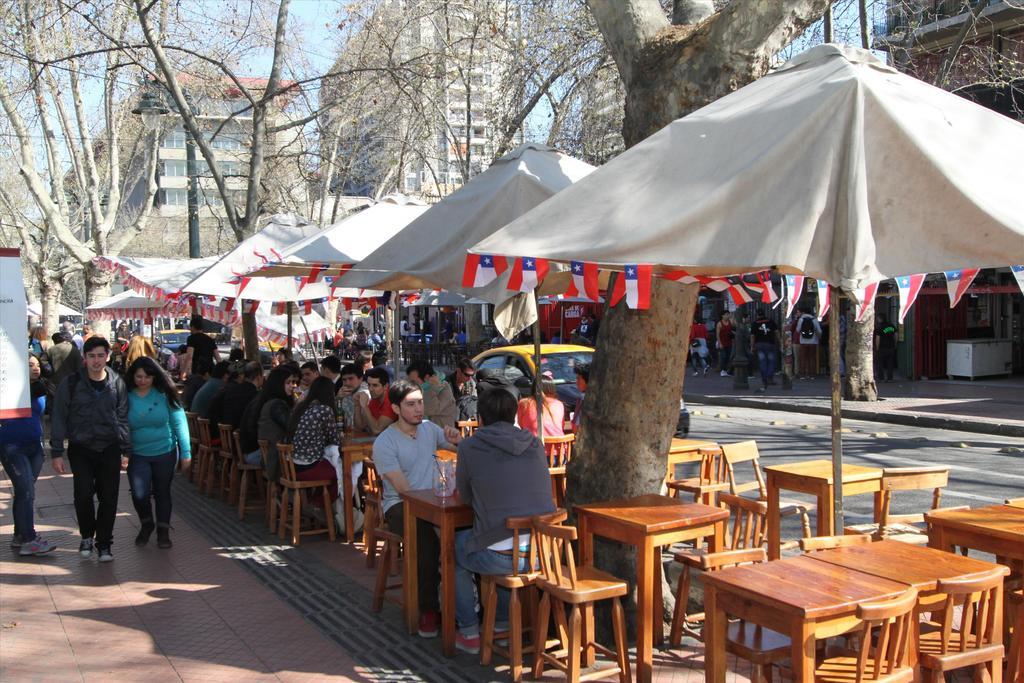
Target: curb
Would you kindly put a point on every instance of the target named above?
(907, 419)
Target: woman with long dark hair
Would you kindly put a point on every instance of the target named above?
(311, 430)
(159, 438)
(553, 409)
(272, 411)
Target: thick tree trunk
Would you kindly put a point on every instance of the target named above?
(860, 365)
(97, 288)
(49, 297)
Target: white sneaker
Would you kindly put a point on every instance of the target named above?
(723, 373)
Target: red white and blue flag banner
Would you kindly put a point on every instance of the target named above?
(250, 306)
(794, 288)
(635, 285)
(584, 281)
(482, 269)
(1018, 273)
(227, 303)
(957, 283)
(307, 306)
(280, 308)
(764, 285)
(910, 287)
(823, 299)
(864, 296)
(739, 294)
(527, 273)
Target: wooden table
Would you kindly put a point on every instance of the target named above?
(447, 514)
(996, 529)
(355, 448)
(815, 477)
(646, 522)
(801, 597)
(1017, 503)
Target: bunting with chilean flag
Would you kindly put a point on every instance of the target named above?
(823, 299)
(635, 286)
(482, 269)
(910, 287)
(794, 288)
(584, 281)
(864, 296)
(958, 282)
(527, 273)
(250, 306)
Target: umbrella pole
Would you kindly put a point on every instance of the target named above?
(309, 340)
(538, 393)
(394, 309)
(288, 312)
(837, 417)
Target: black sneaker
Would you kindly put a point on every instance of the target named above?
(163, 538)
(85, 548)
(145, 531)
(105, 554)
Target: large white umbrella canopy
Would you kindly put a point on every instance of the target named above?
(222, 278)
(156, 278)
(348, 241)
(36, 308)
(441, 298)
(835, 166)
(131, 304)
(306, 328)
(430, 252)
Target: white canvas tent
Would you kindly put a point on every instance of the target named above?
(835, 166)
(346, 242)
(157, 279)
(131, 304)
(441, 298)
(36, 308)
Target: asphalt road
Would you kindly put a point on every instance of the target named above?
(979, 473)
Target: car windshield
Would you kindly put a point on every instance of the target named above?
(562, 365)
(173, 338)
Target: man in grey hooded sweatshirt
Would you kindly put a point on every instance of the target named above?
(502, 472)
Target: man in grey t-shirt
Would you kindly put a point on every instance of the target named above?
(404, 457)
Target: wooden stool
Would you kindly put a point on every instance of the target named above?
(206, 455)
(271, 491)
(1015, 655)
(373, 515)
(467, 427)
(193, 433)
(514, 582)
(241, 473)
(226, 460)
(389, 555)
(559, 452)
(290, 484)
(563, 584)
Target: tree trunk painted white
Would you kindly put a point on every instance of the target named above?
(859, 384)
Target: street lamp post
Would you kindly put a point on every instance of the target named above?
(151, 108)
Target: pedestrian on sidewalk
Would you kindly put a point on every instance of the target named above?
(724, 335)
(160, 438)
(885, 346)
(699, 347)
(91, 412)
(764, 340)
(808, 335)
(21, 453)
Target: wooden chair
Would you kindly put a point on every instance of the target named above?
(564, 584)
(884, 642)
(193, 434)
(747, 522)
(515, 582)
(292, 493)
(710, 480)
(205, 453)
(904, 527)
(225, 461)
(818, 543)
(373, 523)
(559, 452)
(974, 640)
(271, 490)
(241, 474)
(746, 452)
(467, 427)
(1014, 501)
(1015, 655)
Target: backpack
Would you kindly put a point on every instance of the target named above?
(806, 328)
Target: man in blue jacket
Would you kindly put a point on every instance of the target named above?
(91, 412)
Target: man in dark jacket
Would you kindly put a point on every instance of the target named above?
(64, 357)
(91, 412)
(237, 395)
(502, 472)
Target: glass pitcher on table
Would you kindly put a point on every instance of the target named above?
(444, 478)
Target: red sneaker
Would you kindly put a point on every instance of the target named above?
(429, 624)
(470, 644)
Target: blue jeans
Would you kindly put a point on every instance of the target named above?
(151, 475)
(22, 462)
(478, 562)
(766, 360)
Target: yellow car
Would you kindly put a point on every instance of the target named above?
(517, 361)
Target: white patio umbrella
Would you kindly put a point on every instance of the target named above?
(346, 242)
(36, 308)
(835, 166)
(157, 279)
(131, 304)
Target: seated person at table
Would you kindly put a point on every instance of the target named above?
(404, 456)
(238, 395)
(206, 393)
(553, 409)
(330, 367)
(201, 368)
(312, 431)
(351, 384)
(374, 411)
(502, 472)
(582, 377)
(272, 409)
(438, 399)
(308, 372)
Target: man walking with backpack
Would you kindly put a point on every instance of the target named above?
(808, 333)
(91, 412)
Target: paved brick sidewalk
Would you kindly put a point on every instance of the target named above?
(993, 406)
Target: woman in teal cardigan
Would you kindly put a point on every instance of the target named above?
(159, 438)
